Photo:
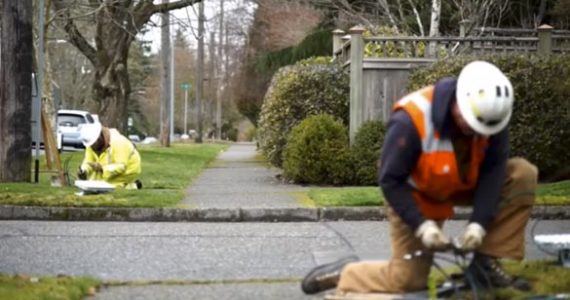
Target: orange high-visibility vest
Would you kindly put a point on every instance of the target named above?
(436, 178)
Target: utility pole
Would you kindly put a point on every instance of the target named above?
(219, 76)
(172, 93)
(186, 87)
(39, 81)
(15, 91)
(200, 71)
(211, 76)
(165, 80)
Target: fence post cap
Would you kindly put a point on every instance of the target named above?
(545, 27)
(357, 30)
(338, 32)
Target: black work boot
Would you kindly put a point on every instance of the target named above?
(326, 276)
(489, 273)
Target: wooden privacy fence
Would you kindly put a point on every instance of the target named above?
(380, 66)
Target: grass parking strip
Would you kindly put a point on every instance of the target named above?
(547, 194)
(23, 287)
(165, 174)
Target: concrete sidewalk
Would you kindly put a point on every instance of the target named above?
(240, 179)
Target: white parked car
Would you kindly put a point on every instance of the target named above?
(135, 138)
(150, 140)
(68, 124)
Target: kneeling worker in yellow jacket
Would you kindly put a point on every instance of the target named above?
(109, 156)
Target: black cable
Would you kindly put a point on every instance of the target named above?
(447, 277)
(472, 283)
(481, 270)
(454, 261)
(471, 280)
(341, 236)
(533, 235)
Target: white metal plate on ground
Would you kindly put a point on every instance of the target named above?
(554, 241)
(94, 186)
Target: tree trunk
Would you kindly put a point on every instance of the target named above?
(418, 19)
(434, 25)
(48, 103)
(16, 91)
(112, 89)
(165, 79)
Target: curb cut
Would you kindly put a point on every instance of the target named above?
(45, 213)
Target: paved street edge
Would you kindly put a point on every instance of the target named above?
(12, 212)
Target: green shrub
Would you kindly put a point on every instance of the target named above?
(392, 49)
(366, 151)
(295, 93)
(315, 60)
(250, 133)
(317, 152)
(316, 43)
(233, 134)
(540, 125)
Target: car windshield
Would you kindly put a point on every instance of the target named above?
(70, 120)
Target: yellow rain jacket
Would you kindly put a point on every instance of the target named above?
(121, 162)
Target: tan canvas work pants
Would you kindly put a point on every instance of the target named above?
(505, 239)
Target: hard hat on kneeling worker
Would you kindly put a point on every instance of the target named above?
(89, 133)
(484, 97)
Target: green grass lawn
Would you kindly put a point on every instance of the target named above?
(548, 194)
(545, 277)
(165, 174)
(45, 288)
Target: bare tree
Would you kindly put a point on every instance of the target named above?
(399, 15)
(418, 19)
(435, 17)
(478, 12)
(434, 23)
(116, 25)
(15, 90)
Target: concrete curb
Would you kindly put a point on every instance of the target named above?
(10, 212)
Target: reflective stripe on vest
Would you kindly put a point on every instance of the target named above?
(435, 178)
(429, 142)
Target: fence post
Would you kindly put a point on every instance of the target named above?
(545, 40)
(463, 25)
(337, 41)
(356, 58)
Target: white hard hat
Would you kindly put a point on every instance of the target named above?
(89, 133)
(485, 97)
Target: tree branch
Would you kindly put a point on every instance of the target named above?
(164, 7)
(74, 36)
(418, 19)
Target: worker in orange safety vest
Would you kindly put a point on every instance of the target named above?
(446, 145)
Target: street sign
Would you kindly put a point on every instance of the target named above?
(186, 86)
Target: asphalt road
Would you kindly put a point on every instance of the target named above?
(244, 254)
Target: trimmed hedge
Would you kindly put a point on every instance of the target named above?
(366, 152)
(295, 93)
(540, 126)
(317, 152)
(316, 44)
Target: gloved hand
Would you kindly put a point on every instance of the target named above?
(472, 237)
(82, 175)
(96, 167)
(431, 235)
